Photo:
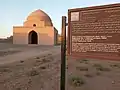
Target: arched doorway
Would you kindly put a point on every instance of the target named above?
(33, 38)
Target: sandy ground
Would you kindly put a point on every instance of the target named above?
(87, 74)
(32, 67)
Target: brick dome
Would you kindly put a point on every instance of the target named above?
(40, 15)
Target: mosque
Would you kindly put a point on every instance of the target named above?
(37, 29)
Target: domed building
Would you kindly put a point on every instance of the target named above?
(37, 29)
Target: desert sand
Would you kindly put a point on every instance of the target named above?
(33, 67)
(93, 74)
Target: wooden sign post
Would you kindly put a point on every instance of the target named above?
(63, 54)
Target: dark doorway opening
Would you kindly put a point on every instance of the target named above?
(33, 38)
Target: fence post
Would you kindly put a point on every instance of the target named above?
(63, 54)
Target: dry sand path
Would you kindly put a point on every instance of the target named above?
(27, 54)
(40, 70)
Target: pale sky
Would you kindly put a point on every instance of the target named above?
(14, 12)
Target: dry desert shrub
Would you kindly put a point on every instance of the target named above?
(115, 65)
(81, 68)
(84, 61)
(21, 61)
(33, 73)
(76, 81)
(99, 67)
(50, 54)
(42, 67)
(45, 60)
(38, 60)
(37, 57)
(5, 70)
(88, 75)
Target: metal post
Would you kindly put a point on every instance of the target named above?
(63, 54)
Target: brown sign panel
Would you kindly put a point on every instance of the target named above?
(94, 32)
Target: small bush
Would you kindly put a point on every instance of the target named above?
(115, 66)
(101, 68)
(44, 60)
(84, 61)
(77, 81)
(88, 75)
(97, 65)
(37, 57)
(33, 73)
(43, 67)
(21, 61)
(5, 70)
(38, 60)
(50, 54)
(82, 68)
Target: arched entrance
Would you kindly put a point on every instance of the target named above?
(32, 38)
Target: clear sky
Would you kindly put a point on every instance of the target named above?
(14, 12)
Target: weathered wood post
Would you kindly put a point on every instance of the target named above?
(63, 54)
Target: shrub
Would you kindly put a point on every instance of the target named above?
(77, 81)
(21, 61)
(82, 68)
(101, 68)
(42, 67)
(37, 57)
(88, 75)
(84, 61)
(115, 66)
(33, 73)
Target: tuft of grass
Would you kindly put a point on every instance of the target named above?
(98, 73)
(42, 67)
(33, 73)
(21, 61)
(103, 69)
(115, 66)
(99, 67)
(43, 59)
(38, 60)
(84, 61)
(5, 70)
(88, 75)
(82, 68)
(50, 54)
(37, 57)
(44, 56)
(77, 81)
